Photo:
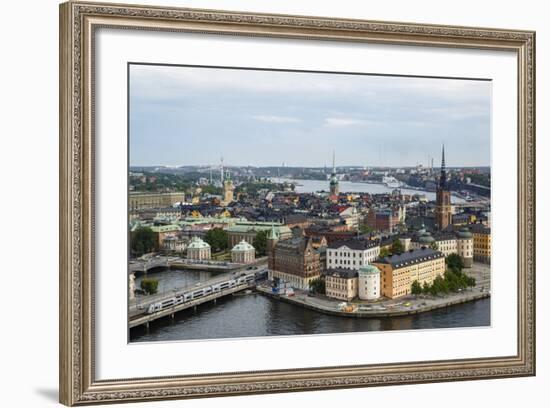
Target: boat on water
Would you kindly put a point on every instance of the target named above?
(391, 182)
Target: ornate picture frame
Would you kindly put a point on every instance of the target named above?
(78, 24)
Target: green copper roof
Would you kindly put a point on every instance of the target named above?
(368, 270)
(272, 233)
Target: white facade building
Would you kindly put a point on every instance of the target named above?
(243, 252)
(368, 282)
(198, 249)
(352, 254)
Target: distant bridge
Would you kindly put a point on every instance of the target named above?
(144, 266)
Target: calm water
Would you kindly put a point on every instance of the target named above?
(312, 186)
(176, 279)
(255, 315)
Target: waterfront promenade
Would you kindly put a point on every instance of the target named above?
(404, 306)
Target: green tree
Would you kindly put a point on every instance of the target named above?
(454, 262)
(142, 240)
(416, 288)
(365, 229)
(397, 246)
(384, 252)
(217, 238)
(426, 288)
(149, 285)
(260, 243)
(317, 286)
(434, 246)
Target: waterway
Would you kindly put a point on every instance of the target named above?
(312, 186)
(255, 315)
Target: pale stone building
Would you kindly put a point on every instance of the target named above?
(398, 272)
(368, 283)
(341, 284)
(243, 253)
(198, 249)
(352, 254)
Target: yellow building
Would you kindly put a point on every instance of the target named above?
(398, 272)
(228, 189)
(482, 243)
(341, 284)
(143, 200)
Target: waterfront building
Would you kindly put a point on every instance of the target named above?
(482, 243)
(341, 284)
(247, 230)
(352, 254)
(333, 183)
(243, 253)
(399, 271)
(443, 209)
(146, 200)
(368, 282)
(292, 260)
(198, 249)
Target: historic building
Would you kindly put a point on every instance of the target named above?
(368, 282)
(174, 244)
(385, 219)
(247, 230)
(333, 183)
(243, 253)
(398, 272)
(341, 284)
(456, 242)
(352, 254)
(443, 208)
(292, 260)
(465, 246)
(198, 249)
(143, 200)
(228, 189)
(161, 232)
(482, 243)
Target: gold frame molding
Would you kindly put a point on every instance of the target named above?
(78, 21)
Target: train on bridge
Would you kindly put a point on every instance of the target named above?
(196, 293)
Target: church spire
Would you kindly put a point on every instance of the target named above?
(333, 161)
(443, 176)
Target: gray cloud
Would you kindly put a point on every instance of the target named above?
(182, 115)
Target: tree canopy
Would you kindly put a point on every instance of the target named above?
(142, 241)
(260, 243)
(217, 239)
(397, 247)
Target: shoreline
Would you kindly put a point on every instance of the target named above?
(455, 299)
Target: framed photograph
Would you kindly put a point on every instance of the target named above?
(256, 203)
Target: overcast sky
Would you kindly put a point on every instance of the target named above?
(193, 116)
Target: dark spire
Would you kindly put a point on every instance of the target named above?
(443, 176)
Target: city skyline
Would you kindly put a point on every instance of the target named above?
(183, 116)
